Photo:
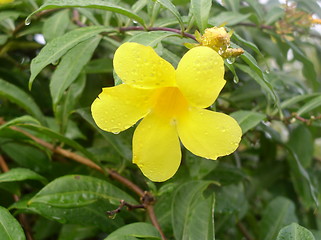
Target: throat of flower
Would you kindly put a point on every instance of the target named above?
(170, 103)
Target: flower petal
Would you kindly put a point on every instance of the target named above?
(209, 134)
(141, 67)
(156, 148)
(118, 108)
(200, 76)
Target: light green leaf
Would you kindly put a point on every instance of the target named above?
(10, 228)
(139, 230)
(187, 222)
(56, 25)
(228, 18)
(78, 190)
(20, 120)
(21, 98)
(279, 213)
(247, 119)
(95, 4)
(201, 10)
(69, 69)
(59, 46)
(295, 232)
(171, 7)
(310, 105)
(21, 174)
(233, 5)
(151, 38)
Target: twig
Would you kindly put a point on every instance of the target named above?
(138, 28)
(22, 217)
(76, 18)
(244, 231)
(146, 198)
(124, 204)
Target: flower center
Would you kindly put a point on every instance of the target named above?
(170, 102)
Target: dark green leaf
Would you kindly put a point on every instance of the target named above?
(228, 18)
(310, 105)
(22, 99)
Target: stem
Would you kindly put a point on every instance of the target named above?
(244, 231)
(139, 28)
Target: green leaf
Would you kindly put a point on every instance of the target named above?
(247, 119)
(201, 10)
(122, 149)
(301, 142)
(20, 120)
(10, 228)
(59, 46)
(257, 76)
(296, 99)
(192, 217)
(69, 69)
(21, 174)
(22, 99)
(308, 66)
(233, 5)
(102, 65)
(56, 25)
(77, 191)
(279, 213)
(171, 7)
(248, 44)
(228, 18)
(139, 230)
(257, 7)
(151, 38)
(295, 232)
(301, 180)
(95, 4)
(47, 132)
(310, 105)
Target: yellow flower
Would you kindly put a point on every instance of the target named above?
(171, 103)
(5, 1)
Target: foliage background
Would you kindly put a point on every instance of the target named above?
(60, 174)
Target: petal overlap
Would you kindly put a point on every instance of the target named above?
(118, 108)
(200, 76)
(141, 67)
(209, 134)
(156, 148)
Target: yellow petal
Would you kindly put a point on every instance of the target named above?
(140, 66)
(156, 148)
(118, 108)
(209, 134)
(200, 76)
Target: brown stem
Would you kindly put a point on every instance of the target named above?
(22, 217)
(138, 28)
(146, 198)
(244, 231)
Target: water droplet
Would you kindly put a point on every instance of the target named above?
(220, 51)
(236, 79)
(55, 63)
(27, 21)
(230, 60)
(115, 132)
